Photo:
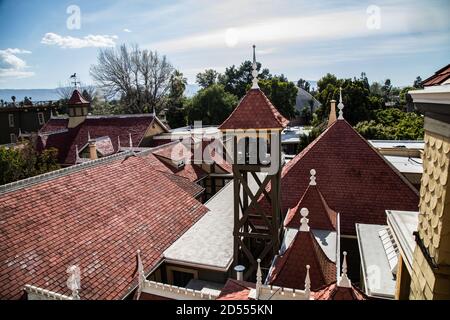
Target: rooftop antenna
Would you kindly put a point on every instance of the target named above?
(254, 72)
(340, 106)
(73, 282)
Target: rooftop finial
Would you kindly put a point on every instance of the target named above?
(118, 143)
(312, 179)
(344, 281)
(73, 282)
(254, 72)
(258, 279)
(340, 106)
(304, 220)
(89, 136)
(131, 141)
(141, 274)
(307, 282)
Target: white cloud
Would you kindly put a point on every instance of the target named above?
(96, 41)
(126, 30)
(11, 66)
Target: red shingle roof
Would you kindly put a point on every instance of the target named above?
(96, 216)
(321, 216)
(254, 111)
(177, 152)
(333, 292)
(77, 98)
(97, 126)
(236, 290)
(438, 78)
(289, 269)
(355, 179)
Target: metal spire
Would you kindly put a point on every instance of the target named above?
(340, 106)
(254, 72)
(312, 179)
(304, 220)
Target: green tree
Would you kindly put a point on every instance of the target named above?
(418, 83)
(211, 105)
(392, 124)
(355, 96)
(301, 83)
(282, 94)
(207, 78)
(22, 161)
(176, 115)
(237, 80)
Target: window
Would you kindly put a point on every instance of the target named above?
(13, 137)
(11, 120)
(41, 118)
(180, 276)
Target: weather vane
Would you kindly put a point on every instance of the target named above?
(74, 82)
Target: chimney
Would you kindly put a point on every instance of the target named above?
(239, 272)
(332, 117)
(92, 150)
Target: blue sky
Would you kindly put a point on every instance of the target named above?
(393, 39)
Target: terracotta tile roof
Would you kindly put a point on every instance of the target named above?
(333, 292)
(177, 152)
(77, 98)
(354, 178)
(193, 189)
(254, 111)
(321, 216)
(95, 215)
(236, 290)
(438, 78)
(289, 269)
(97, 126)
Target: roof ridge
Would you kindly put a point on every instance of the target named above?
(20, 184)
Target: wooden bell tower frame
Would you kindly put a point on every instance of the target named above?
(257, 227)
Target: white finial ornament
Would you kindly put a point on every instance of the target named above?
(254, 72)
(340, 106)
(307, 281)
(89, 136)
(141, 274)
(118, 143)
(73, 282)
(131, 141)
(258, 279)
(304, 220)
(344, 281)
(312, 179)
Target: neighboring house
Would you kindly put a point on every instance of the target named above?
(71, 135)
(441, 77)
(17, 120)
(404, 155)
(94, 216)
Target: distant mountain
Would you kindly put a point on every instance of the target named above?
(51, 94)
(35, 94)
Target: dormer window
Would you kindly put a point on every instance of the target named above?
(11, 120)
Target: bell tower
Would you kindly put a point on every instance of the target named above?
(78, 109)
(254, 129)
